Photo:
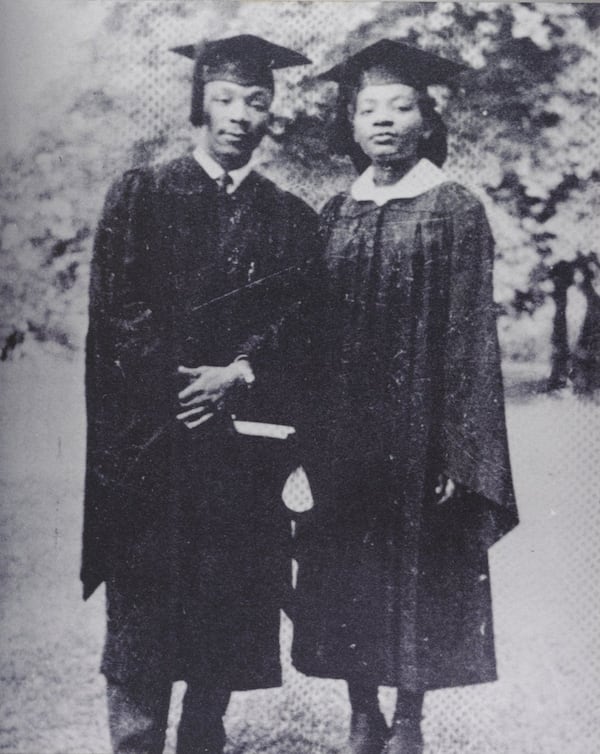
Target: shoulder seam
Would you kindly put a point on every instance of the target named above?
(281, 193)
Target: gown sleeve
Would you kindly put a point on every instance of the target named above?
(473, 433)
(121, 344)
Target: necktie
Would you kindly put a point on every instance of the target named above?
(223, 181)
(224, 207)
(223, 199)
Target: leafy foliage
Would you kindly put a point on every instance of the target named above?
(523, 124)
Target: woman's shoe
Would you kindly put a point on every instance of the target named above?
(368, 733)
(405, 738)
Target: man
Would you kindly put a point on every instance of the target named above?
(194, 285)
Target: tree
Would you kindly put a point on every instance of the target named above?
(523, 128)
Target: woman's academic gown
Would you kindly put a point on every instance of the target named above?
(391, 585)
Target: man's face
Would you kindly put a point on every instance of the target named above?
(235, 119)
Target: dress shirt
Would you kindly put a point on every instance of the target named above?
(212, 168)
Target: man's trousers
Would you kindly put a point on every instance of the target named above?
(138, 714)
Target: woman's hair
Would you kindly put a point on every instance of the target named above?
(433, 147)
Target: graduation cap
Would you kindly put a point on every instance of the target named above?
(245, 59)
(385, 62)
(391, 61)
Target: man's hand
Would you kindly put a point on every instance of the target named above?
(445, 489)
(206, 392)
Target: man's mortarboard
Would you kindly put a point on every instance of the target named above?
(399, 62)
(245, 59)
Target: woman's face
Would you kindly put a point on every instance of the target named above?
(387, 122)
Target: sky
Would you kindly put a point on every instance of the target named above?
(39, 41)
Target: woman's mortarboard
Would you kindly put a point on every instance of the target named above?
(245, 59)
(407, 64)
(389, 61)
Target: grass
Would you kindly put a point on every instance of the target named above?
(545, 578)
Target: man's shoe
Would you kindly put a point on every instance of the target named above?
(368, 733)
(405, 738)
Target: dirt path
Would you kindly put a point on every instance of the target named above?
(545, 579)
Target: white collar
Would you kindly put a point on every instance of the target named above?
(212, 168)
(419, 179)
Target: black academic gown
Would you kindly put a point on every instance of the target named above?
(188, 529)
(392, 586)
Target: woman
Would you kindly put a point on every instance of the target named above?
(410, 470)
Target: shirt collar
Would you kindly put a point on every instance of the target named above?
(212, 168)
(419, 179)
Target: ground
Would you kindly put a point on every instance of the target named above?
(544, 575)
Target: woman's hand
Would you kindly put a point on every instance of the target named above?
(445, 489)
